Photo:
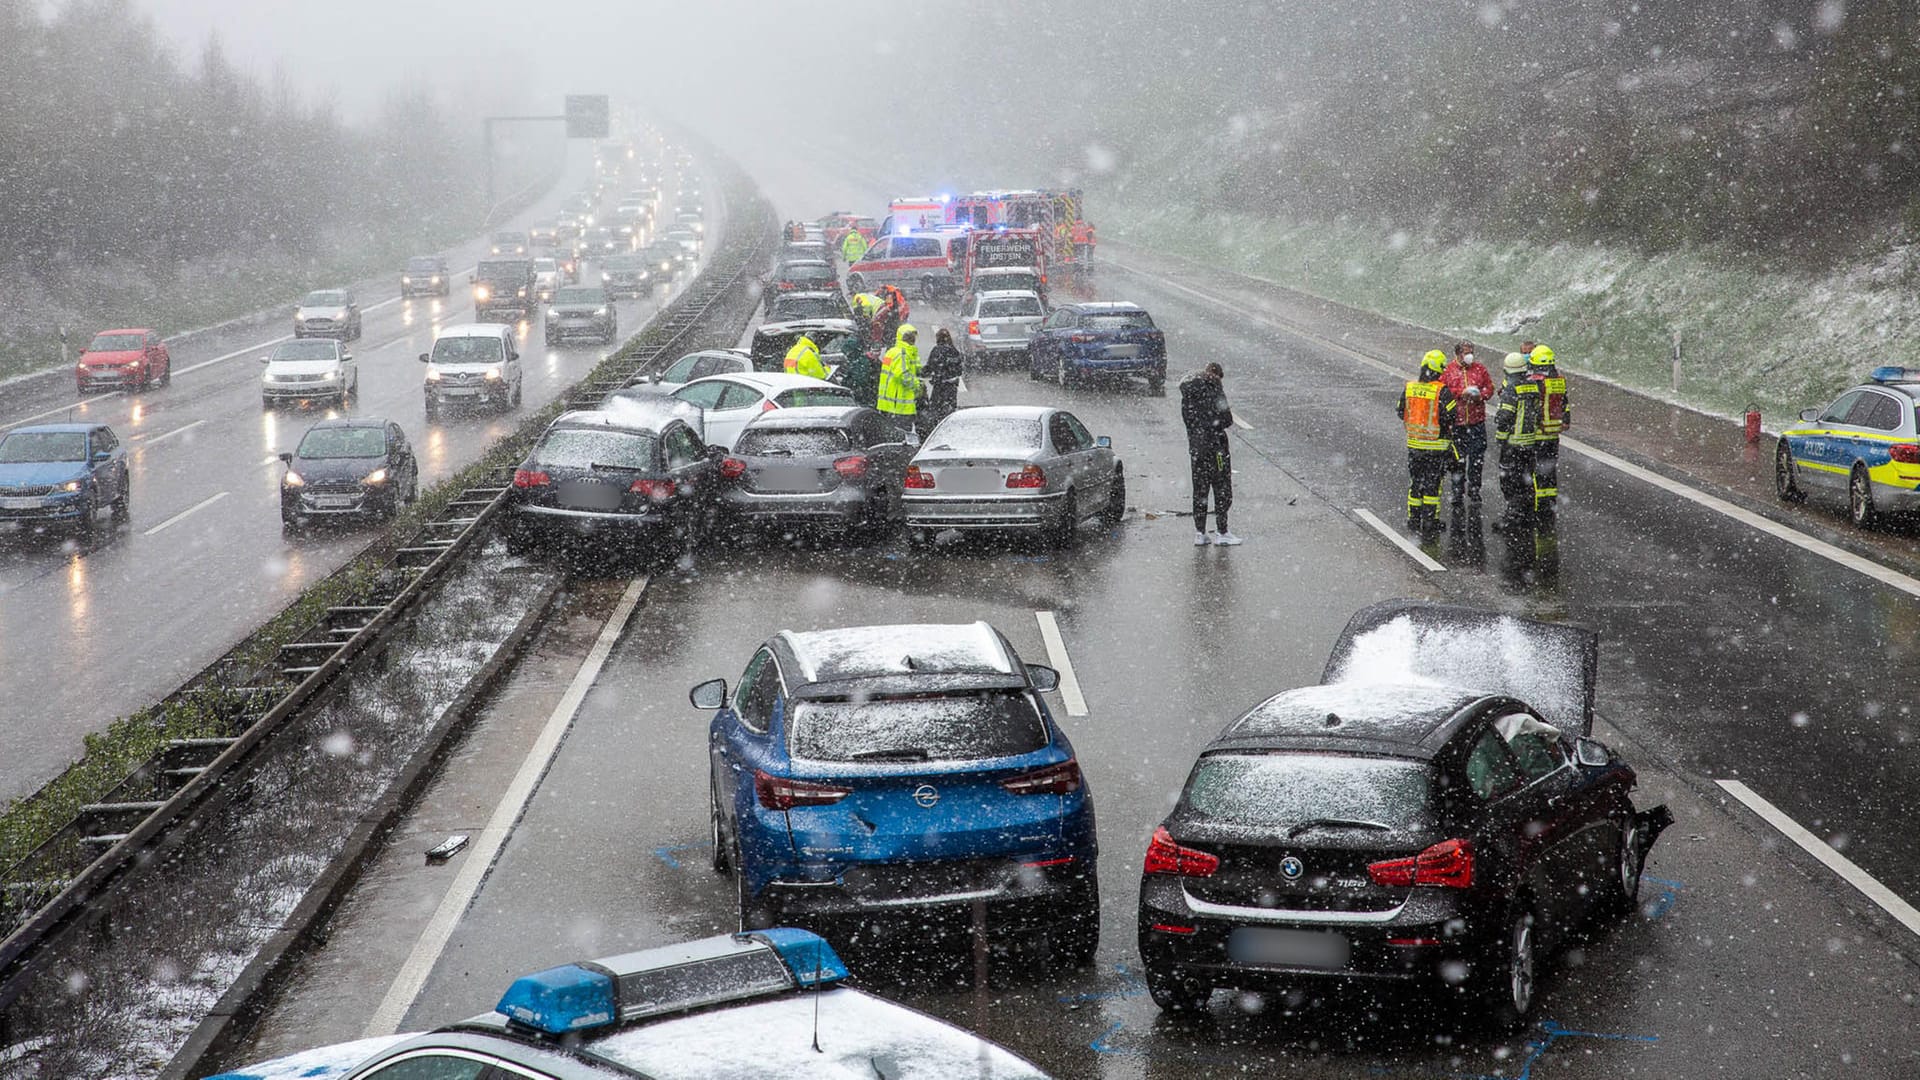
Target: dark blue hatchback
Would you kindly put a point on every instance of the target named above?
(1098, 340)
(880, 768)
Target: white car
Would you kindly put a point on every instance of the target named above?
(688, 240)
(699, 365)
(546, 278)
(1000, 322)
(308, 369)
(728, 402)
(473, 364)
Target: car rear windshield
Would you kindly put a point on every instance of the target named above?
(803, 396)
(344, 442)
(806, 272)
(545, 266)
(1116, 320)
(509, 238)
(586, 295)
(1281, 791)
(325, 299)
(26, 447)
(971, 727)
(989, 433)
(1012, 307)
(117, 343)
(793, 442)
(305, 350)
(580, 448)
(466, 350)
(806, 307)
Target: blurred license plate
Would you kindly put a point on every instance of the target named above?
(460, 391)
(787, 478)
(590, 497)
(22, 503)
(1287, 948)
(1122, 352)
(971, 481)
(989, 330)
(333, 502)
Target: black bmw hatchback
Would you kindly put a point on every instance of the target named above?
(1367, 831)
(622, 478)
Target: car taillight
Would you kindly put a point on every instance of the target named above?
(1030, 477)
(1082, 339)
(1166, 857)
(779, 793)
(654, 489)
(1447, 864)
(973, 327)
(917, 479)
(530, 478)
(1905, 453)
(733, 468)
(768, 405)
(851, 467)
(1061, 779)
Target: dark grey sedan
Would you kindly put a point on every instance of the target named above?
(582, 311)
(1015, 468)
(832, 467)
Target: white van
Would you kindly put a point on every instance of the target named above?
(918, 264)
(473, 364)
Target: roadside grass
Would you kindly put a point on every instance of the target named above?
(1775, 336)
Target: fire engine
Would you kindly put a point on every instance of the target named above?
(1064, 241)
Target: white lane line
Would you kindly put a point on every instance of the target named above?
(175, 519)
(1398, 540)
(1057, 654)
(224, 357)
(1241, 424)
(1839, 556)
(64, 408)
(1848, 870)
(413, 973)
(144, 443)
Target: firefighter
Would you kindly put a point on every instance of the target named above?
(1516, 427)
(853, 246)
(1427, 409)
(899, 396)
(864, 305)
(1556, 415)
(804, 359)
(1472, 387)
(891, 315)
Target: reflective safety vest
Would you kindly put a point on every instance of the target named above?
(1518, 423)
(1553, 407)
(866, 304)
(900, 381)
(853, 246)
(1422, 416)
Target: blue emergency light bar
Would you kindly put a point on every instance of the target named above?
(1894, 374)
(671, 979)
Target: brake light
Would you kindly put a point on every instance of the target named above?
(1166, 857)
(1061, 779)
(1082, 339)
(654, 489)
(1030, 477)
(1447, 865)
(973, 327)
(1905, 453)
(780, 793)
(733, 468)
(851, 467)
(917, 479)
(530, 478)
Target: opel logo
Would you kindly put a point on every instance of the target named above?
(926, 796)
(1291, 869)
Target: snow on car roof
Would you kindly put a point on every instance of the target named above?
(1021, 412)
(1108, 305)
(859, 1036)
(317, 1064)
(864, 651)
(1340, 712)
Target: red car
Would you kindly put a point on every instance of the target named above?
(135, 359)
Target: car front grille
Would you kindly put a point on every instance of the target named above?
(26, 491)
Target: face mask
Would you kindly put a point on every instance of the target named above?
(1466, 358)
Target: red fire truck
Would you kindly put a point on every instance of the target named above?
(1065, 242)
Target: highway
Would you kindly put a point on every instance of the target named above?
(1740, 669)
(88, 634)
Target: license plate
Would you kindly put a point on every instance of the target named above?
(787, 478)
(20, 502)
(1123, 352)
(971, 481)
(590, 497)
(1288, 948)
(989, 331)
(333, 502)
(460, 391)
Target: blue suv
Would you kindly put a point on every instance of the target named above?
(872, 769)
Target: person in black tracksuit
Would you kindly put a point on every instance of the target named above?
(1208, 417)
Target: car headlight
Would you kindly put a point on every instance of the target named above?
(436, 279)
(377, 476)
(404, 280)
(480, 292)
(433, 374)
(493, 373)
(73, 485)
(600, 311)
(340, 313)
(292, 479)
(604, 276)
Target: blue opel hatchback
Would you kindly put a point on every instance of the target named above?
(877, 769)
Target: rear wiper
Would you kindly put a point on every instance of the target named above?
(609, 465)
(904, 753)
(1337, 823)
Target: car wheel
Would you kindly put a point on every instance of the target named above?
(1076, 937)
(1065, 529)
(1175, 995)
(1157, 385)
(433, 408)
(289, 525)
(551, 340)
(928, 290)
(721, 856)
(89, 523)
(1860, 497)
(123, 504)
(1622, 894)
(1116, 500)
(755, 913)
(1512, 971)
(1063, 372)
(166, 373)
(1785, 484)
(516, 393)
(856, 283)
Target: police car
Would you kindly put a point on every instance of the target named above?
(1865, 447)
(767, 1004)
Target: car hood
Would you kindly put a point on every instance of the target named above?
(320, 313)
(34, 473)
(302, 367)
(111, 359)
(1551, 666)
(330, 470)
(320, 1064)
(471, 368)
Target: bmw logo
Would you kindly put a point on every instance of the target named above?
(926, 795)
(1291, 869)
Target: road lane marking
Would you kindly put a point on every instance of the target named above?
(144, 442)
(1849, 871)
(65, 408)
(1399, 541)
(1241, 424)
(175, 519)
(1805, 542)
(1057, 655)
(487, 844)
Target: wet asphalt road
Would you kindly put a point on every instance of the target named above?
(91, 633)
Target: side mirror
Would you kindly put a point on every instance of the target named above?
(285, 459)
(1592, 752)
(1809, 414)
(471, 278)
(345, 356)
(1044, 679)
(657, 376)
(423, 358)
(266, 359)
(1104, 442)
(711, 694)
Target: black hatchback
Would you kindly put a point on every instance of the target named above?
(1373, 832)
(823, 466)
(635, 474)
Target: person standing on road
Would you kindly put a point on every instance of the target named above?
(1555, 416)
(1427, 410)
(899, 395)
(1516, 426)
(1472, 388)
(804, 359)
(1207, 417)
(853, 246)
(891, 316)
(942, 372)
(858, 372)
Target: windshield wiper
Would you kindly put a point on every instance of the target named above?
(901, 753)
(1337, 823)
(610, 465)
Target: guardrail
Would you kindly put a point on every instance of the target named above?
(54, 885)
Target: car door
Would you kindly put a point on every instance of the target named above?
(688, 467)
(108, 474)
(514, 374)
(1871, 422)
(887, 453)
(741, 741)
(349, 369)
(873, 265)
(1096, 464)
(1562, 821)
(1071, 458)
(1822, 449)
(400, 459)
(1494, 817)
(739, 403)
